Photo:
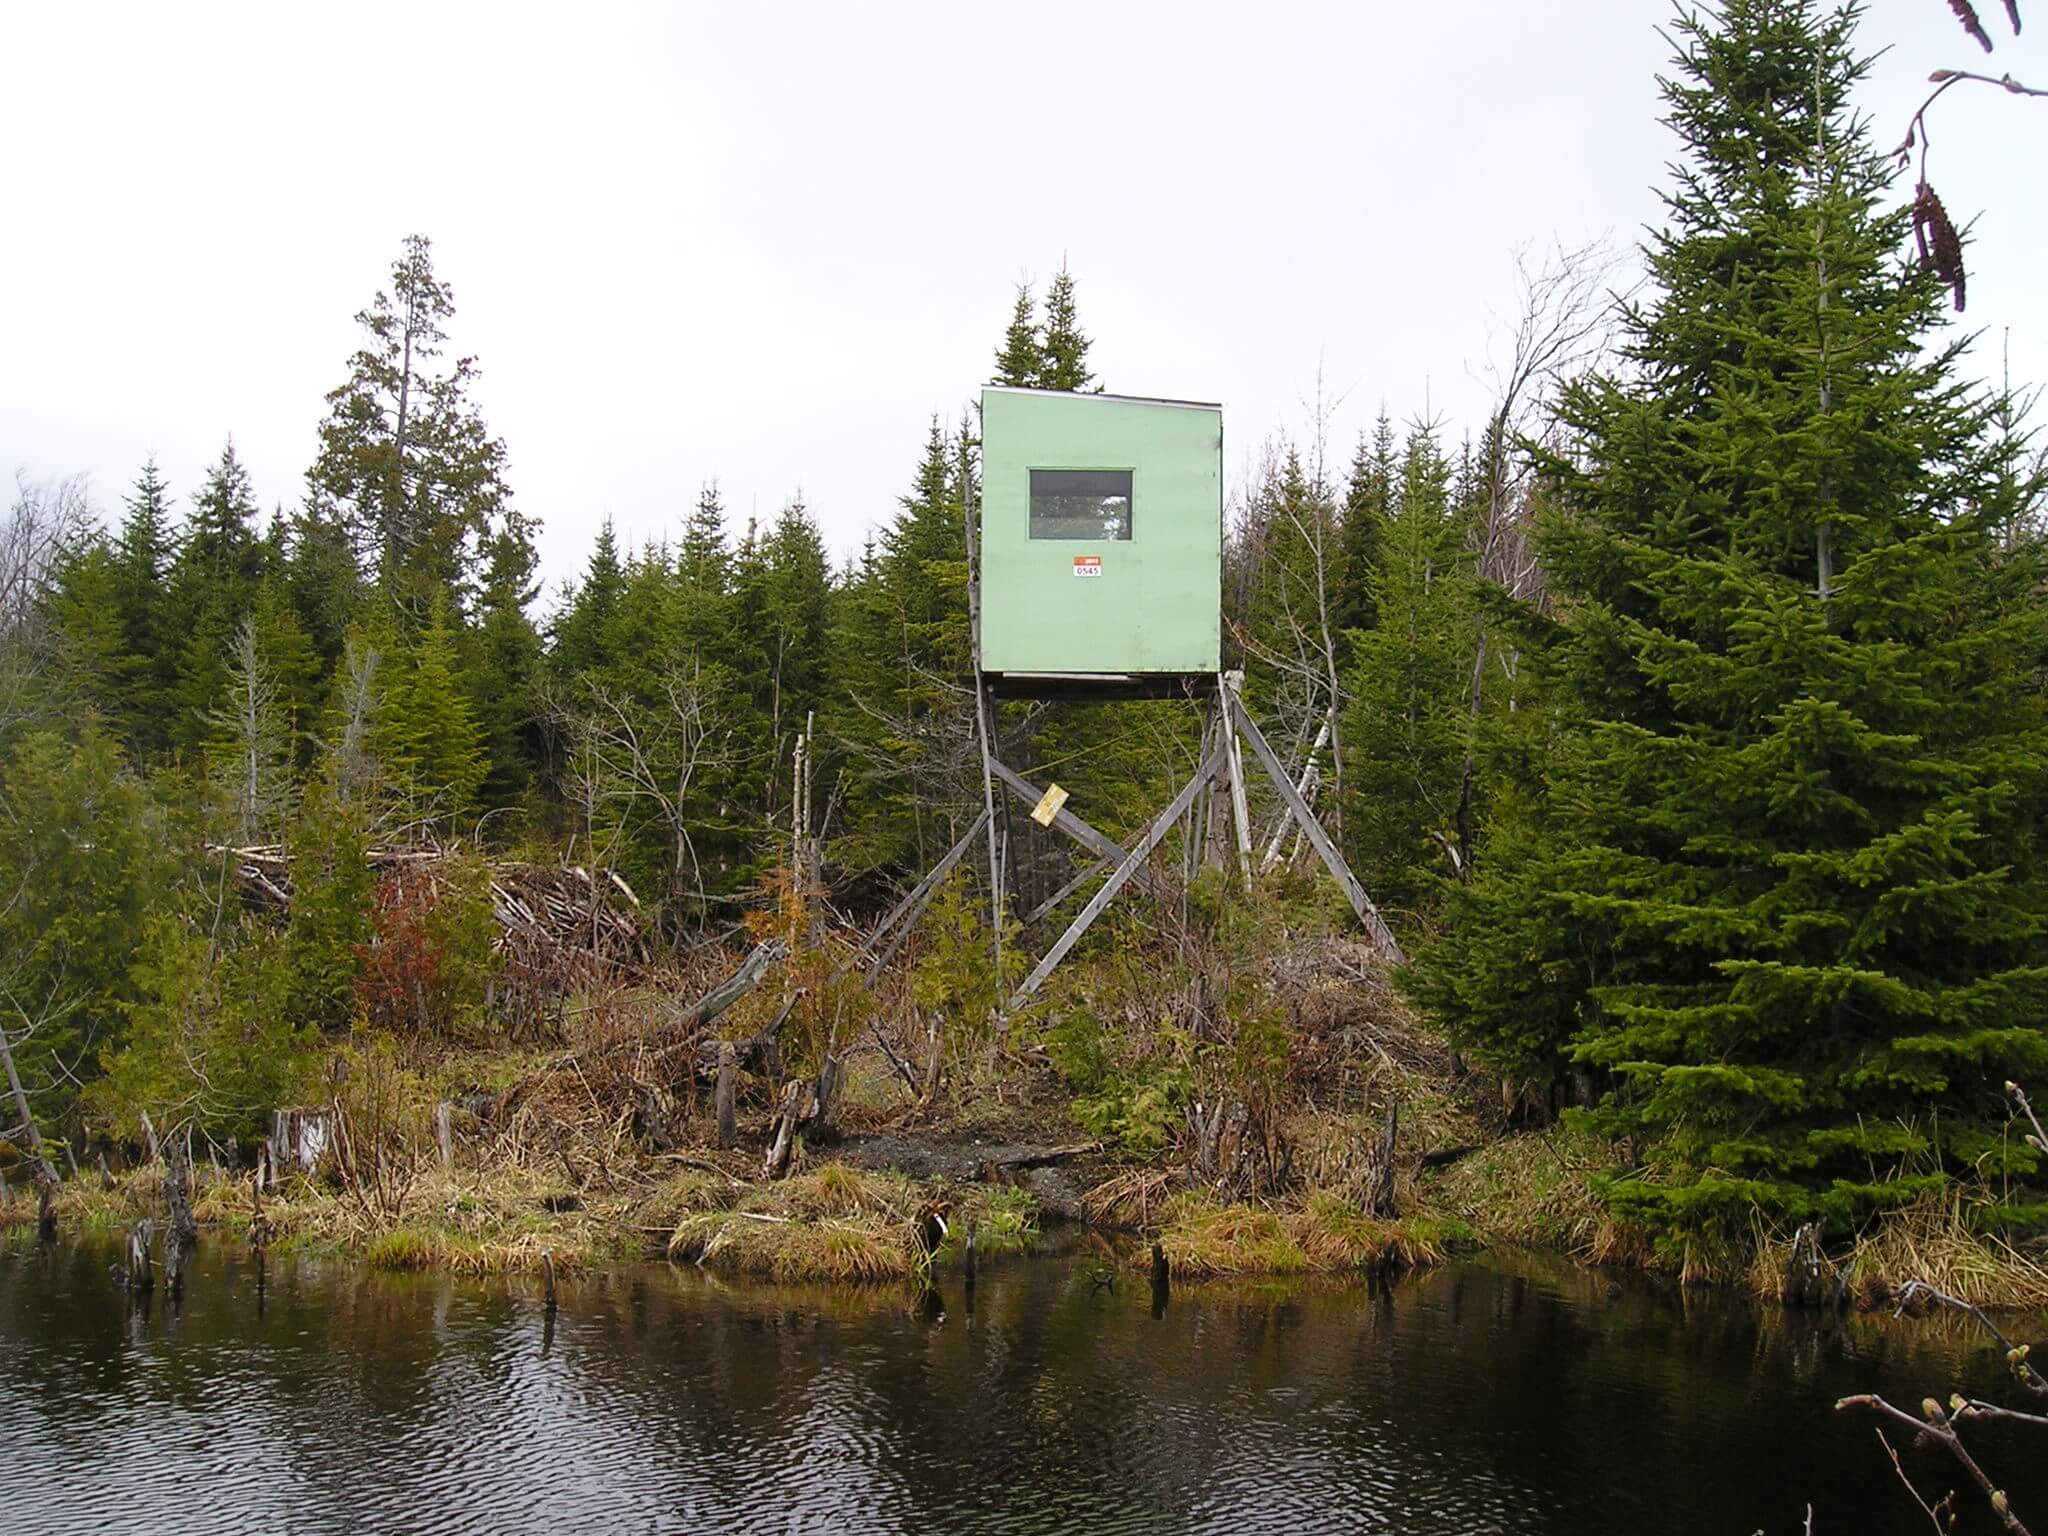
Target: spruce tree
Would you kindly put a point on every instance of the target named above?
(1021, 356)
(1369, 495)
(146, 547)
(1782, 902)
(429, 733)
(704, 571)
(582, 630)
(502, 662)
(322, 580)
(1064, 350)
(213, 583)
(99, 669)
(1405, 723)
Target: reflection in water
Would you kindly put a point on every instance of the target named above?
(1514, 1396)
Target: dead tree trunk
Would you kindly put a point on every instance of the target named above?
(1382, 1198)
(182, 1230)
(139, 1277)
(782, 1145)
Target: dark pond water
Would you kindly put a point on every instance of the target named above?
(1510, 1395)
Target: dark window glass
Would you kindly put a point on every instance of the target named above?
(1080, 504)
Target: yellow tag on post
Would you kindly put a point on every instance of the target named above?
(1049, 806)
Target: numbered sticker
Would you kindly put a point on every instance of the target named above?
(1087, 565)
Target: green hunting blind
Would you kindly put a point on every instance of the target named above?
(1101, 541)
(1096, 571)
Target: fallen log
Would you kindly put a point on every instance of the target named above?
(736, 986)
(1039, 1157)
(1443, 1157)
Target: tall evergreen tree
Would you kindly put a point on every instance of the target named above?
(582, 630)
(1369, 496)
(502, 662)
(704, 567)
(405, 460)
(322, 580)
(1021, 356)
(212, 585)
(429, 732)
(146, 547)
(97, 667)
(1406, 726)
(1784, 902)
(1064, 351)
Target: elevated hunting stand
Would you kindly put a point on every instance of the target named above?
(1095, 572)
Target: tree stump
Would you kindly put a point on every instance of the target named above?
(140, 1279)
(783, 1143)
(728, 1073)
(183, 1230)
(1381, 1202)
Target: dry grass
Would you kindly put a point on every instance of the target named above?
(1535, 1188)
(759, 1243)
(1325, 1234)
(1937, 1239)
(488, 1220)
(1128, 1199)
(845, 1224)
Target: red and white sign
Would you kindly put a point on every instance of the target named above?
(1087, 565)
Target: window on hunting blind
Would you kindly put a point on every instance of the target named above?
(1089, 504)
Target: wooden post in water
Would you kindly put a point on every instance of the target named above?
(259, 1230)
(728, 1072)
(175, 1253)
(139, 1277)
(967, 1255)
(547, 1266)
(183, 1229)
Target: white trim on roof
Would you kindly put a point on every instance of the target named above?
(1069, 394)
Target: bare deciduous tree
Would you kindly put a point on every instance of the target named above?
(1563, 325)
(47, 518)
(627, 754)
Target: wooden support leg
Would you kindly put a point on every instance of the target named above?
(1121, 875)
(985, 726)
(1240, 814)
(1368, 915)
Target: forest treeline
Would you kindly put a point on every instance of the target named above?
(1685, 714)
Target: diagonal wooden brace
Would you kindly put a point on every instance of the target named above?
(1375, 926)
(1088, 873)
(1066, 821)
(1129, 866)
(903, 915)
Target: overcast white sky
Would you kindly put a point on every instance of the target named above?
(765, 242)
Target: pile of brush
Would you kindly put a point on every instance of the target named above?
(544, 911)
